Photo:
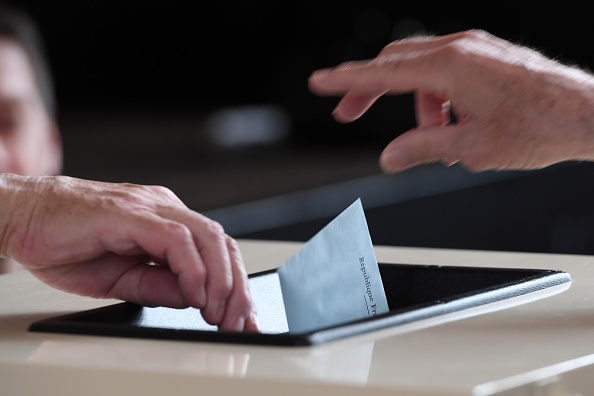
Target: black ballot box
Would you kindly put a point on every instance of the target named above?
(418, 295)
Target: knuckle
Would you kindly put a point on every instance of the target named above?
(178, 230)
(162, 190)
(474, 33)
(145, 194)
(232, 243)
(214, 229)
(453, 50)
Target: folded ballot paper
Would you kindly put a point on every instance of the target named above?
(334, 278)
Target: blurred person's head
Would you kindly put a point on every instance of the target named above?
(30, 142)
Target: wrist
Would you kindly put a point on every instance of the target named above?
(14, 207)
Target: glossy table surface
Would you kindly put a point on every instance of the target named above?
(544, 345)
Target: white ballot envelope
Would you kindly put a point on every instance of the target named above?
(334, 278)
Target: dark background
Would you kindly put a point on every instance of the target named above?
(136, 79)
(202, 55)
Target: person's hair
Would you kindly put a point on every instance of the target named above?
(18, 26)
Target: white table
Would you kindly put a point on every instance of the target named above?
(542, 346)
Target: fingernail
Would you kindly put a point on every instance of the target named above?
(254, 320)
(219, 313)
(202, 300)
(239, 323)
(320, 73)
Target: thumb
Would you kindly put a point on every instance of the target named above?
(421, 146)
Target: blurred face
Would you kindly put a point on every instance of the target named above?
(29, 138)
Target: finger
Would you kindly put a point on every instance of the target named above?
(219, 283)
(422, 146)
(402, 67)
(429, 42)
(251, 324)
(193, 274)
(417, 43)
(169, 241)
(207, 283)
(240, 313)
(431, 110)
(395, 74)
(151, 286)
(128, 278)
(209, 239)
(352, 106)
(359, 76)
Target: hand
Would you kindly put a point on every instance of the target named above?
(513, 107)
(131, 242)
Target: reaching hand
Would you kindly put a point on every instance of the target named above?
(512, 107)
